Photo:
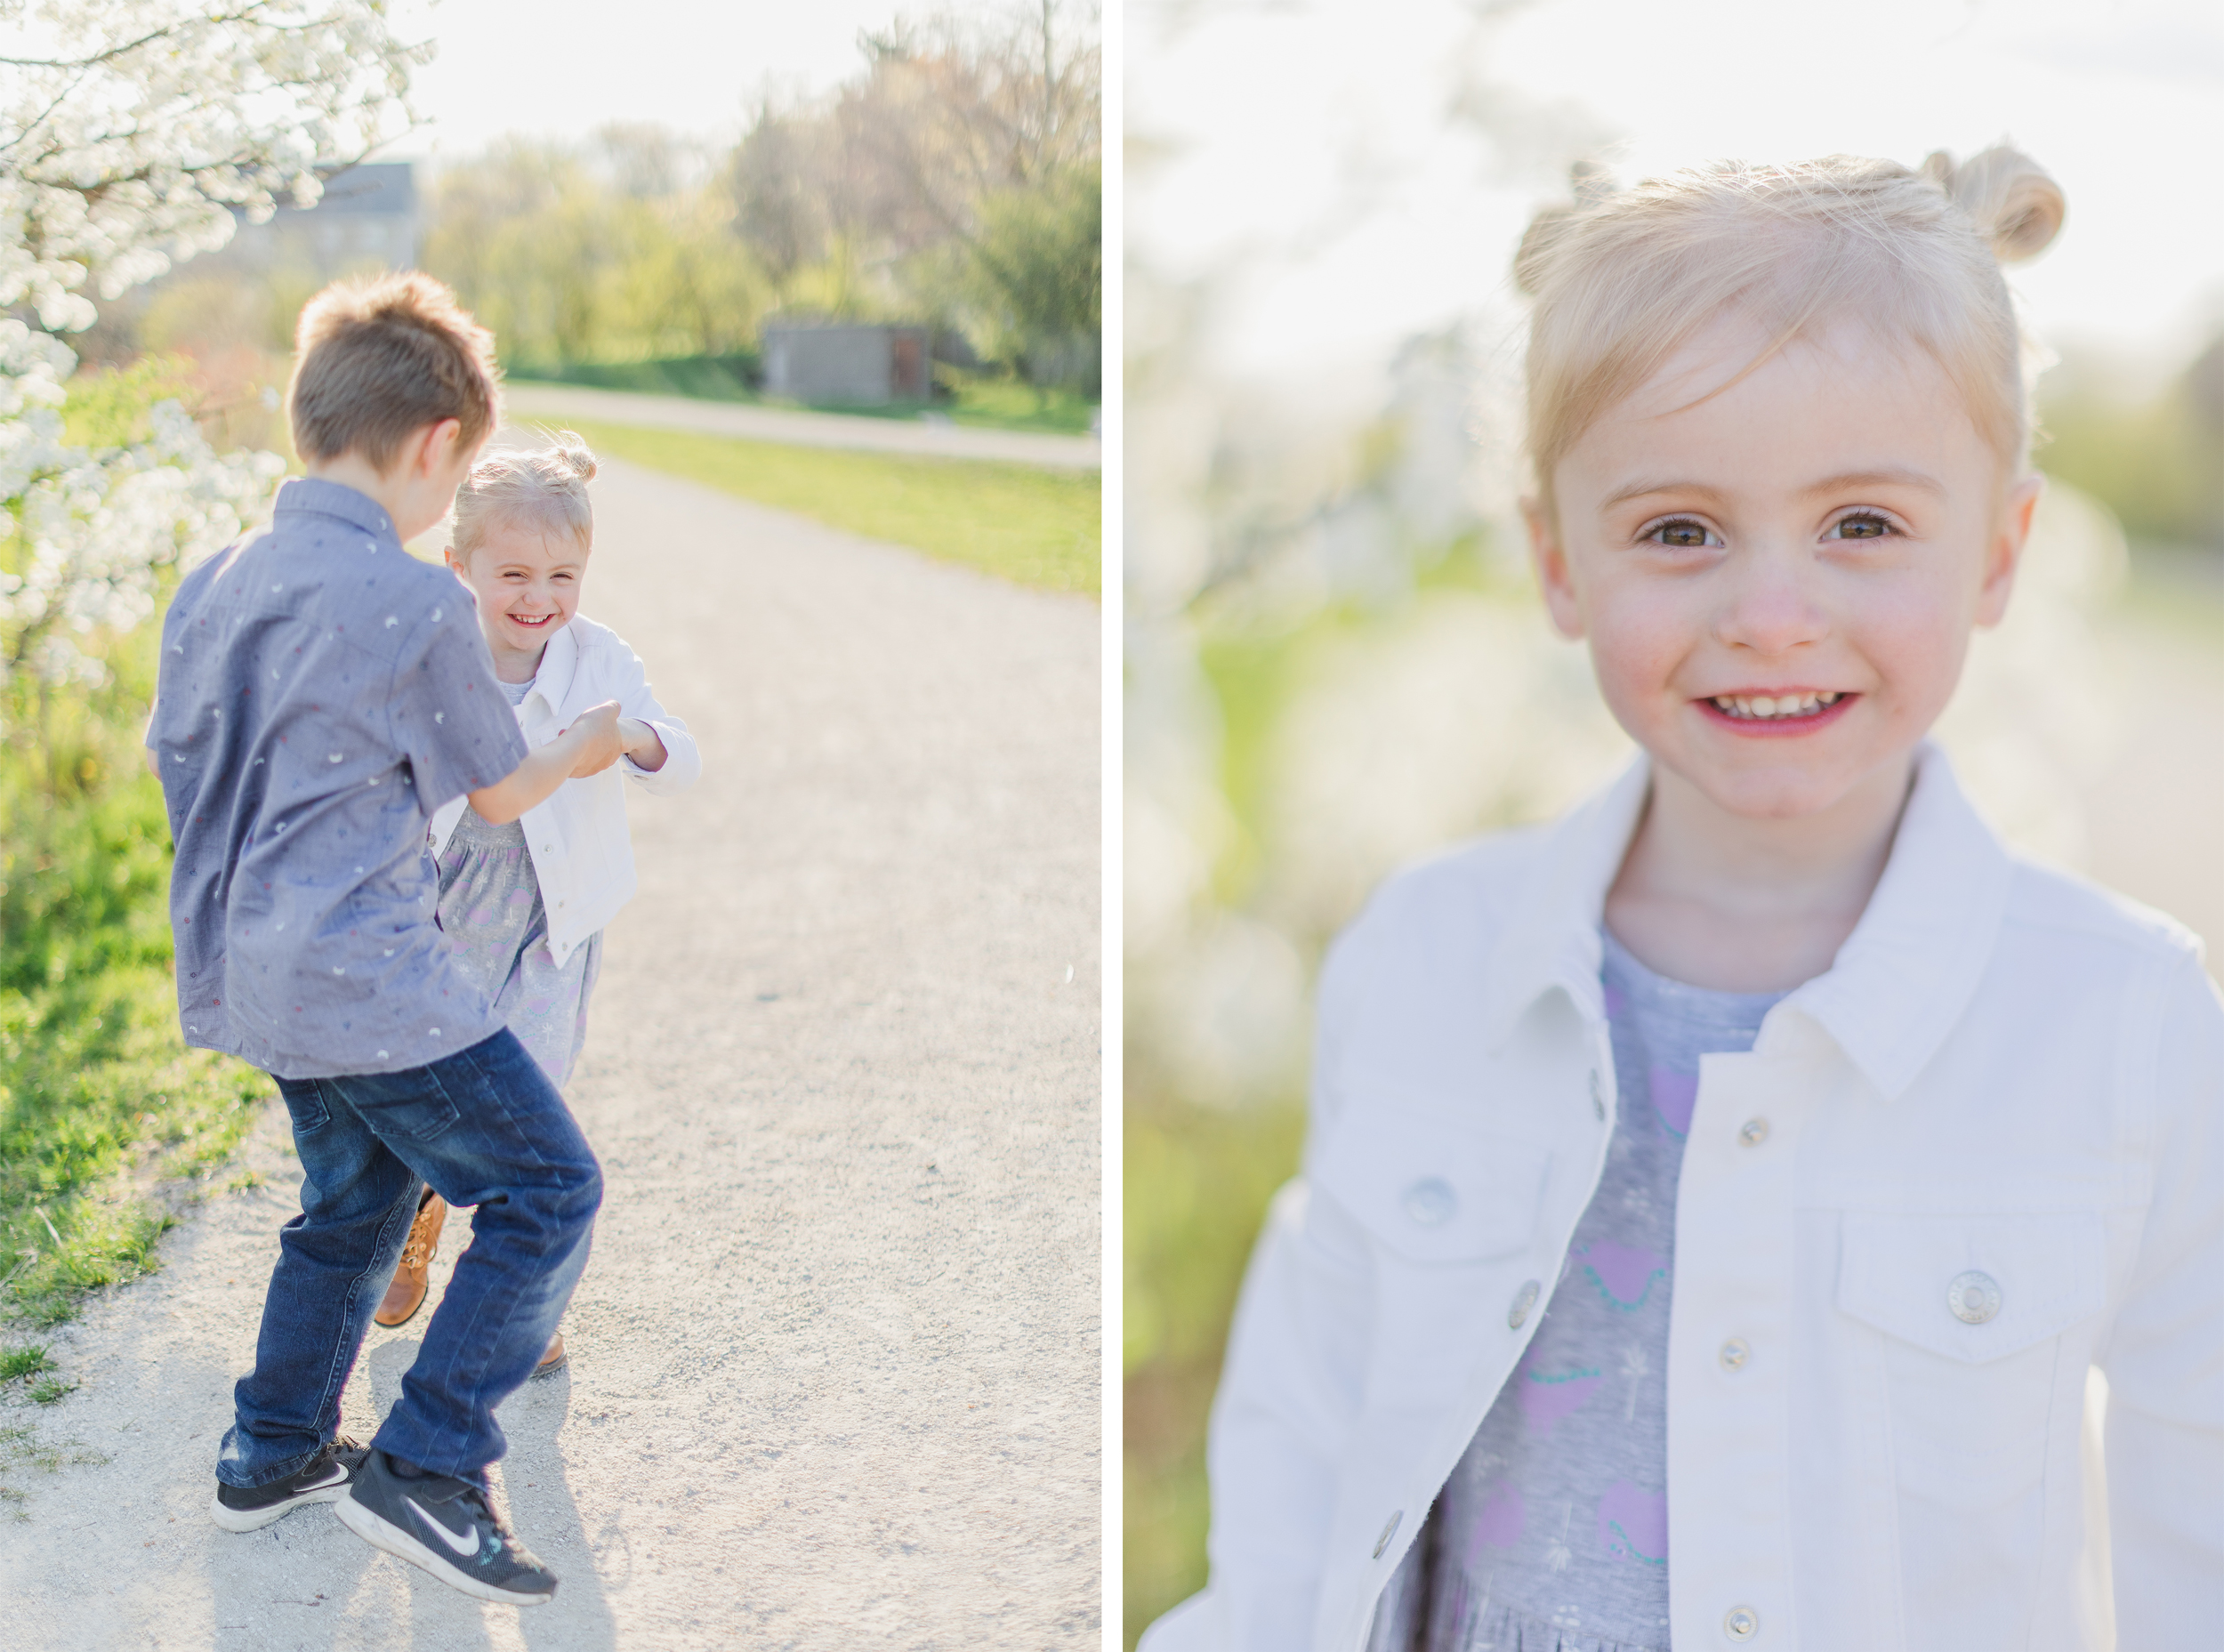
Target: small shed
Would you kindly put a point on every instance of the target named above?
(866, 366)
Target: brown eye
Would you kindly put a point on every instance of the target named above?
(1864, 528)
(1682, 535)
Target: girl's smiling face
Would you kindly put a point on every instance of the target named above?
(1778, 580)
(526, 581)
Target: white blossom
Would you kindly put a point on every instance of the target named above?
(130, 133)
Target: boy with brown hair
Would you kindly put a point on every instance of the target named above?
(321, 693)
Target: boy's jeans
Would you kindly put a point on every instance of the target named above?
(484, 1127)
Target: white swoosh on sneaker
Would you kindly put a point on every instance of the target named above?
(466, 1546)
(336, 1474)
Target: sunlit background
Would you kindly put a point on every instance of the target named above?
(1334, 658)
(632, 201)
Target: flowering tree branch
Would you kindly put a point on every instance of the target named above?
(132, 133)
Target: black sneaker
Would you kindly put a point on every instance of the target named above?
(323, 1478)
(447, 1527)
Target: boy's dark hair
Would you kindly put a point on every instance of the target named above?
(377, 357)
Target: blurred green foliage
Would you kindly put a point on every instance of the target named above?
(2154, 456)
(1195, 1183)
(599, 251)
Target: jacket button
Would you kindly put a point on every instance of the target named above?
(1523, 1300)
(1735, 1353)
(1390, 1530)
(1752, 1132)
(1974, 1297)
(1429, 1204)
(1741, 1623)
(1597, 1096)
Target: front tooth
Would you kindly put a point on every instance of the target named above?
(1763, 706)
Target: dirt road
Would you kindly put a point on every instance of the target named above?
(834, 1364)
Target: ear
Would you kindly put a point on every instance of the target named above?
(2004, 551)
(1549, 559)
(437, 447)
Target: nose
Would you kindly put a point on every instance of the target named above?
(1770, 607)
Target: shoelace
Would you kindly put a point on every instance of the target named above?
(475, 1501)
(416, 1249)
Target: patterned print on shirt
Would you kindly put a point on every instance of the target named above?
(1549, 1396)
(1634, 1523)
(1625, 1275)
(1500, 1521)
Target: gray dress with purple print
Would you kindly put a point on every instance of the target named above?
(497, 933)
(1552, 1536)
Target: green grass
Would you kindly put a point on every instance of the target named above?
(1196, 1186)
(106, 1118)
(1008, 404)
(988, 403)
(1033, 527)
(702, 378)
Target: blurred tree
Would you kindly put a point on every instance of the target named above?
(608, 251)
(777, 178)
(956, 178)
(1033, 273)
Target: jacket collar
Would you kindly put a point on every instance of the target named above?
(560, 664)
(314, 495)
(1895, 990)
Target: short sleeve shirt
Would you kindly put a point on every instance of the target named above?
(321, 693)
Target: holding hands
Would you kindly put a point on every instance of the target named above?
(593, 742)
(601, 737)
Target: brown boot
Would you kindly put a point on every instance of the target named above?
(405, 1295)
(555, 1360)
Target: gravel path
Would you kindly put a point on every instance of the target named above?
(835, 1365)
(861, 434)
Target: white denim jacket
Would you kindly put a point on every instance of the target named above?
(583, 855)
(1982, 1154)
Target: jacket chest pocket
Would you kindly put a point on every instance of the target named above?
(1973, 1311)
(1448, 1217)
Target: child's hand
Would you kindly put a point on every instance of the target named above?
(596, 739)
(642, 744)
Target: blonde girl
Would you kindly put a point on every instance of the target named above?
(1715, 1202)
(524, 905)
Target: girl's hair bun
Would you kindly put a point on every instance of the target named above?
(544, 486)
(572, 452)
(1590, 183)
(2015, 205)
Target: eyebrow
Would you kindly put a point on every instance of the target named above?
(1844, 482)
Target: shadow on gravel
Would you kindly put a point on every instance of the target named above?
(542, 1509)
(579, 1619)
